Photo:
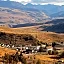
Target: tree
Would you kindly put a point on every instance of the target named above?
(54, 52)
(41, 49)
(6, 58)
(61, 42)
(53, 44)
(61, 55)
(50, 52)
(16, 57)
(38, 62)
(23, 60)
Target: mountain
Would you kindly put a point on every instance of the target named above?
(59, 28)
(48, 9)
(55, 21)
(15, 13)
(56, 25)
(11, 16)
(58, 14)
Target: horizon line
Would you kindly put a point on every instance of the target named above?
(52, 3)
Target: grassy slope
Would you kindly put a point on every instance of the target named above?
(6, 50)
(42, 36)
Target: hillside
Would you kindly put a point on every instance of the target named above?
(48, 9)
(56, 25)
(15, 16)
(6, 50)
(58, 14)
(14, 13)
(37, 35)
(58, 28)
(55, 21)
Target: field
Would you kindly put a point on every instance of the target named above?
(44, 59)
(6, 50)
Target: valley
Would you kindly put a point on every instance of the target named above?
(31, 33)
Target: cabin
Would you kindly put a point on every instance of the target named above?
(59, 46)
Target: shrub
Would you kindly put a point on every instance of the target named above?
(61, 55)
(50, 52)
(53, 44)
(54, 52)
(38, 62)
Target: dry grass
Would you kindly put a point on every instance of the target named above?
(44, 57)
(6, 50)
(40, 35)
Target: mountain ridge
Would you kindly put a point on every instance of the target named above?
(56, 25)
(16, 16)
(49, 9)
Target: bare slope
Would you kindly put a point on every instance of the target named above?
(16, 16)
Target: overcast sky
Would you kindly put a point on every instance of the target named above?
(59, 2)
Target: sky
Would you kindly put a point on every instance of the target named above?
(22, 0)
(57, 2)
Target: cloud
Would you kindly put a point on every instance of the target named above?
(56, 2)
(39, 1)
(46, 1)
(22, 0)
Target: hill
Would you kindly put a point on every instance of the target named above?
(55, 21)
(59, 28)
(58, 14)
(56, 25)
(33, 35)
(15, 16)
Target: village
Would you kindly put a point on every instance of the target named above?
(44, 47)
(54, 48)
(25, 48)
